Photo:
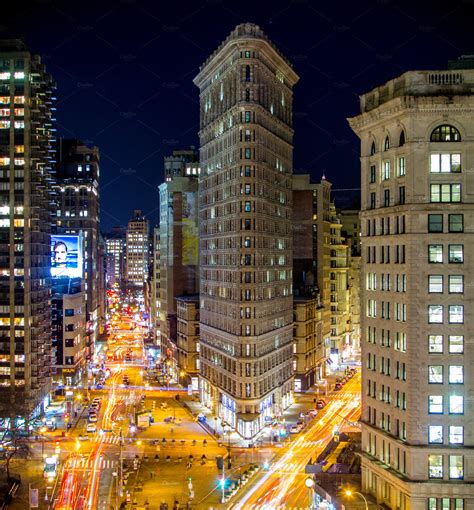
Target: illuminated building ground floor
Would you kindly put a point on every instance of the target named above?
(231, 410)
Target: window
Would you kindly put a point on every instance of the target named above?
(435, 344)
(247, 189)
(435, 404)
(435, 283)
(248, 117)
(435, 314)
(456, 374)
(456, 223)
(435, 223)
(248, 171)
(373, 150)
(456, 284)
(445, 163)
(435, 253)
(248, 153)
(456, 314)
(445, 193)
(386, 171)
(435, 374)
(456, 434)
(456, 344)
(435, 466)
(435, 434)
(373, 173)
(248, 207)
(401, 195)
(69, 312)
(401, 166)
(456, 404)
(372, 200)
(386, 144)
(247, 73)
(456, 254)
(445, 133)
(456, 466)
(386, 198)
(401, 140)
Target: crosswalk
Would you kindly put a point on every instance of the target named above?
(91, 463)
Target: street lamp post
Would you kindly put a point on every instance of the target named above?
(309, 482)
(349, 493)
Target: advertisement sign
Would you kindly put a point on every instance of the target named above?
(34, 498)
(66, 256)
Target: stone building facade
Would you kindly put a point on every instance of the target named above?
(245, 230)
(417, 155)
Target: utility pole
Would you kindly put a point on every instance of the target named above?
(223, 483)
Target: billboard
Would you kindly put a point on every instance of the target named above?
(66, 256)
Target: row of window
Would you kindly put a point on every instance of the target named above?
(436, 468)
(436, 374)
(385, 338)
(385, 251)
(436, 284)
(445, 504)
(436, 223)
(455, 253)
(455, 314)
(455, 434)
(384, 226)
(385, 282)
(455, 404)
(455, 344)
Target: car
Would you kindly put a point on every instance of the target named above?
(96, 399)
(338, 386)
(91, 428)
(313, 412)
(320, 403)
(92, 418)
(294, 430)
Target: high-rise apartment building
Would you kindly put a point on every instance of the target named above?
(187, 342)
(155, 303)
(137, 251)
(77, 213)
(26, 158)
(115, 251)
(179, 265)
(246, 310)
(417, 152)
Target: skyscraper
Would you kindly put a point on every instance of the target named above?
(417, 152)
(137, 251)
(26, 157)
(178, 244)
(115, 249)
(77, 213)
(245, 230)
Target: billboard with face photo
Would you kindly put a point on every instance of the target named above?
(66, 256)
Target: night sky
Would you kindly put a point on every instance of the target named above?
(124, 71)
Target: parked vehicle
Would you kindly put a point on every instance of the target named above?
(91, 428)
(92, 418)
(338, 386)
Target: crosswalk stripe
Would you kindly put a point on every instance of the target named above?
(90, 463)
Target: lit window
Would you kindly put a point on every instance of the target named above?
(456, 434)
(401, 166)
(456, 344)
(4, 161)
(445, 193)
(456, 466)
(435, 314)
(20, 75)
(435, 284)
(456, 374)
(5, 76)
(248, 207)
(435, 374)
(456, 284)
(435, 434)
(435, 253)
(4, 124)
(19, 112)
(386, 171)
(4, 112)
(445, 163)
(456, 314)
(19, 124)
(435, 344)
(435, 404)
(4, 99)
(19, 100)
(445, 133)
(456, 404)
(435, 466)
(456, 254)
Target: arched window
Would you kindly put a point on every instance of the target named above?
(247, 73)
(402, 139)
(445, 133)
(386, 144)
(372, 149)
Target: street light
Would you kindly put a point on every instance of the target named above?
(349, 493)
(309, 482)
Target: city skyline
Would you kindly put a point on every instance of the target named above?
(339, 50)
